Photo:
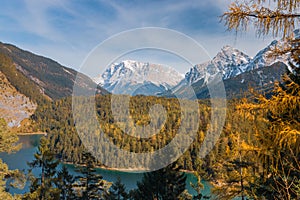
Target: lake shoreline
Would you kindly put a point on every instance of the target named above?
(130, 170)
(33, 133)
(129, 176)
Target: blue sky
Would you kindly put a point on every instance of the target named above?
(67, 30)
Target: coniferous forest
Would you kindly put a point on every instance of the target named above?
(257, 154)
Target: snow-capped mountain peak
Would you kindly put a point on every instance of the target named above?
(129, 76)
(266, 56)
(229, 62)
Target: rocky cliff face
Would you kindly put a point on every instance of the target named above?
(14, 106)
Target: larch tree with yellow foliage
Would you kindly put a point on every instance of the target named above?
(277, 145)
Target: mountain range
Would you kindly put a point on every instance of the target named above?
(28, 80)
(238, 70)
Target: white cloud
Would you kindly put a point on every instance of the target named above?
(81, 29)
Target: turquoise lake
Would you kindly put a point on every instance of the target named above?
(19, 161)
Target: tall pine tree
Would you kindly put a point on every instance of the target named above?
(65, 182)
(164, 184)
(8, 144)
(90, 183)
(43, 186)
(117, 191)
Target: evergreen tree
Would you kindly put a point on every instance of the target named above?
(164, 184)
(43, 186)
(90, 183)
(8, 140)
(8, 144)
(198, 186)
(65, 183)
(4, 194)
(185, 195)
(117, 191)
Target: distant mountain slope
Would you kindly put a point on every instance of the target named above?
(229, 62)
(263, 58)
(132, 77)
(239, 72)
(52, 79)
(19, 81)
(261, 79)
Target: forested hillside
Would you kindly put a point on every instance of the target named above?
(56, 118)
(52, 79)
(22, 83)
(258, 147)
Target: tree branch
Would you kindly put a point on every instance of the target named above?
(281, 16)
